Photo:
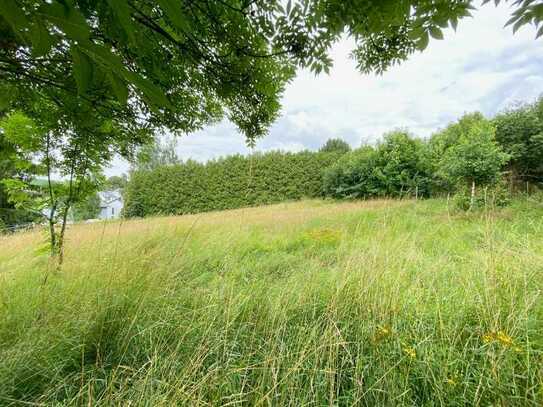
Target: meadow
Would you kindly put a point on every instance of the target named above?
(312, 303)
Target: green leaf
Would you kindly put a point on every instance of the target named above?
(122, 11)
(173, 11)
(423, 42)
(5, 97)
(119, 87)
(416, 32)
(68, 19)
(436, 33)
(42, 40)
(517, 25)
(454, 23)
(82, 70)
(103, 56)
(511, 20)
(153, 94)
(114, 64)
(13, 14)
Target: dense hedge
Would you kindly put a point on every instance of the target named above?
(232, 182)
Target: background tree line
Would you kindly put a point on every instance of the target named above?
(473, 159)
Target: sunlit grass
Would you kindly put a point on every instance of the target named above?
(310, 303)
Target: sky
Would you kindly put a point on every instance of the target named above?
(481, 67)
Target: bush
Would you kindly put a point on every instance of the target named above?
(520, 133)
(14, 217)
(353, 175)
(495, 196)
(227, 183)
(476, 157)
(398, 167)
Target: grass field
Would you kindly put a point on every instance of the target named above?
(312, 303)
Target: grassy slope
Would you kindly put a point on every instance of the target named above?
(379, 303)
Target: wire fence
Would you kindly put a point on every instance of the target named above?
(14, 220)
(6, 229)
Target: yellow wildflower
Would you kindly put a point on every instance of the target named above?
(501, 337)
(488, 337)
(451, 381)
(382, 333)
(504, 339)
(411, 352)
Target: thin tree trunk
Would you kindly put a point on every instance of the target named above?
(472, 201)
(52, 201)
(52, 234)
(61, 236)
(448, 208)
(73, 195)
(65, 217)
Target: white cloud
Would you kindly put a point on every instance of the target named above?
(481, 67)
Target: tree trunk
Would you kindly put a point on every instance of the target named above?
(52, 200)
(472, 201)
(52, 232)
(61, 235)
(66, 208)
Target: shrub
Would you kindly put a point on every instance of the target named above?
(444, 139)
(475, 161)
(495, 196)
(520, 133)
(353, 175)
(397, 167)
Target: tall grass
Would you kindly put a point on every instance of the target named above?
(312, 303)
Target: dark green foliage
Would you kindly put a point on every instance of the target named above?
(13, 218)
(402, 165)
(232, 182)
(335, 144)
(397, 167)
(520, 132)
(352, 176)
(88, 208)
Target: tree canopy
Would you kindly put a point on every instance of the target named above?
(183, 64)
(476, 158)
(520, 131)
(335, 145)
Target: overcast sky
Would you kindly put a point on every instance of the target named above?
(482, 67)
